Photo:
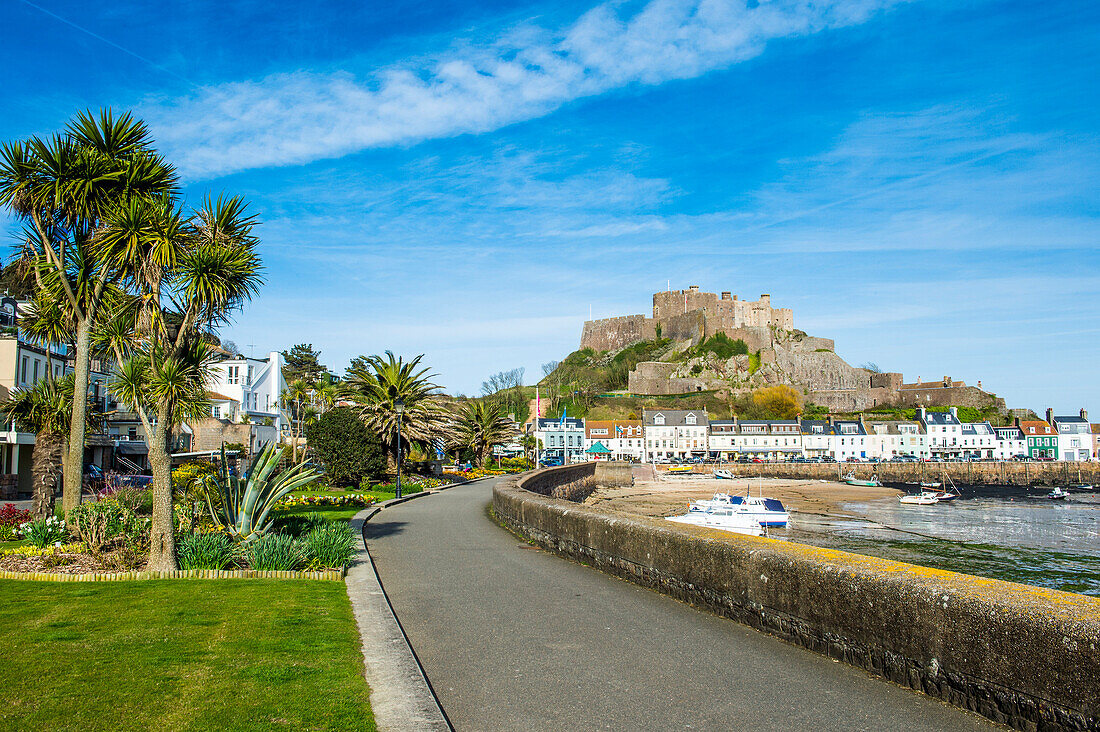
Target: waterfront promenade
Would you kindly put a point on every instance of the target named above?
(511, 637)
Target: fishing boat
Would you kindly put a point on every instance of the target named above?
(921, 499)
(1057, 494)
(726, 519)
(768, 512)
(723, 474)
(680, 469)
(874, 482)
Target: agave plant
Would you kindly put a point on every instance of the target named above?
(246, 502)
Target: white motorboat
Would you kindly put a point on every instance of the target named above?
(1057, 493)
(723, 474)
(766, 511)
(921, 499)
(719, 517)
(851, 479)
(927, 484)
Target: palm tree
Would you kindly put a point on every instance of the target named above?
(481, 425)
(326, 396)
(189, 273)
(45, 409)
(293, 399)
(62, 186)
(377, 384)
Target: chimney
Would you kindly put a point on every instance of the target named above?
(1050, 416)
(1084, 414)
(830, 418)
(955, 412)
(918, 379)
(921, 414)
(979, 383)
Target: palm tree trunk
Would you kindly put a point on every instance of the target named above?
(74, 457)
(45, 468)
(162, 537)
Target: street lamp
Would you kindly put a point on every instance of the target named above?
(399, 406)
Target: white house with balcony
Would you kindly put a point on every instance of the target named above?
(979, 440)
(247, 390)
(944, 432)
(1010, 443)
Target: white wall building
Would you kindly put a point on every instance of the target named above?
(895, 438)
(850, 441)
(944, 432)
(674, 433)
(1074, 436)
(978, 440)
(561, 439)
(623, 437)
(1010, 443)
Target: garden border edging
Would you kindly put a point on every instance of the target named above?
(213, 574)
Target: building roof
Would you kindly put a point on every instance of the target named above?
(676, 417)
(977, 428)
(940, 418)
(1075, 419)
(840, 424)
(809, 424)
(598, 448)
(550, 423)
(1011, 432)
(216, 397)
(610, 425)
(1036, 427)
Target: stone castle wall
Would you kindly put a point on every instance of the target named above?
(613, 334)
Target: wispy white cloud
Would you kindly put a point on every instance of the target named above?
(301, 116)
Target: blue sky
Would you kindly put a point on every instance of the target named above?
(917, 180)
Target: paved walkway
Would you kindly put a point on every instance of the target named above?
(513, 638)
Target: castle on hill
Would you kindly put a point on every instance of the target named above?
(690, 315)
(781, 355)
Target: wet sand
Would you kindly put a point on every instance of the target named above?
(670, 494)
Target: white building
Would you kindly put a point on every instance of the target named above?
(979, 440)
(850, 440)
(817, 438)
(895, 438)
(1010, 443)
(248, 389)
(944, 432)
(765, 439)
(1074, 436)
(674, 433)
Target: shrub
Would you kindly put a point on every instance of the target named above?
(205, 551)
(297, 525)
(14, 517)
(8, 533)
(331, 544)
(96, 523)
(274, 552)
(345, 447)
(44, 532)
(723, 347)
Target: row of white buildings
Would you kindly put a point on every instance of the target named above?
(684, 434)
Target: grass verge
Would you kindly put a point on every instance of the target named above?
(181, 655)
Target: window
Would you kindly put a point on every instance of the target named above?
(23, 378)
(233, 375)
(690, 419)
(659, 419)
(37, 363)
(249, 374)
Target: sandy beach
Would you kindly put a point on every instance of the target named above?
(670, 494)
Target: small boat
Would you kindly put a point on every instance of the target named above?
(723, 474)
(925, 484)
(680, 469)
(921, 499)
(874, 482)
(1057, 493)
(723, 518)
(1082, 487)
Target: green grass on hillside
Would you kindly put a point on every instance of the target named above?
(181, 655)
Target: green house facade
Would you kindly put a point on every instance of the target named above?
(1042, 446)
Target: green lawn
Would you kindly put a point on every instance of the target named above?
(181, 655)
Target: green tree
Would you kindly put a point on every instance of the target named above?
(62, 187)
(479, 426)
(45, 409)
(189, 274)
(346, 448)
(304, 363)
(377, 383)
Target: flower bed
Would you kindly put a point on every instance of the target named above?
(347, 499)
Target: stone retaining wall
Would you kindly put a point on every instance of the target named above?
(1024, 656)
(984, 473)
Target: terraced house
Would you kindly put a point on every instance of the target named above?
(1074, 435)
(675, 433)
(1042, 440)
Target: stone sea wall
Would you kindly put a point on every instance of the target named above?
(1024, 656)
(984, 473)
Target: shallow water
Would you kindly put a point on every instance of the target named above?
(1016, 536)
